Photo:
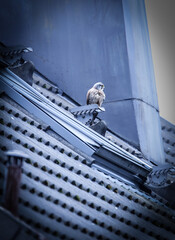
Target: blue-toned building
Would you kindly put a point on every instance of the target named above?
(110, 179)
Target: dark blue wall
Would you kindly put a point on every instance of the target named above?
(76, 43)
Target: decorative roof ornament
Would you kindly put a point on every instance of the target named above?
(12, 56)
(161, 176)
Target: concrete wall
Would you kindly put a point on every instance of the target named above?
(161, 22)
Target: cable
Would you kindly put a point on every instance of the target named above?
(128, 99)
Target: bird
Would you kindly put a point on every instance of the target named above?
(96, 95)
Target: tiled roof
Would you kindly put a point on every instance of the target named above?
(50, 91)
(63, 197)
(168, 135)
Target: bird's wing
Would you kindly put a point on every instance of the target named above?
(88, 96)
(103, 94)
(92, 96)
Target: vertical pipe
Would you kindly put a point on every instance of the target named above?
(12, 180)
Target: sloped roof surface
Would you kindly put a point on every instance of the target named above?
(50, 91)
(168, 136)
(64, 198)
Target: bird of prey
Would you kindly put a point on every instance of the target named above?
(95, 95)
